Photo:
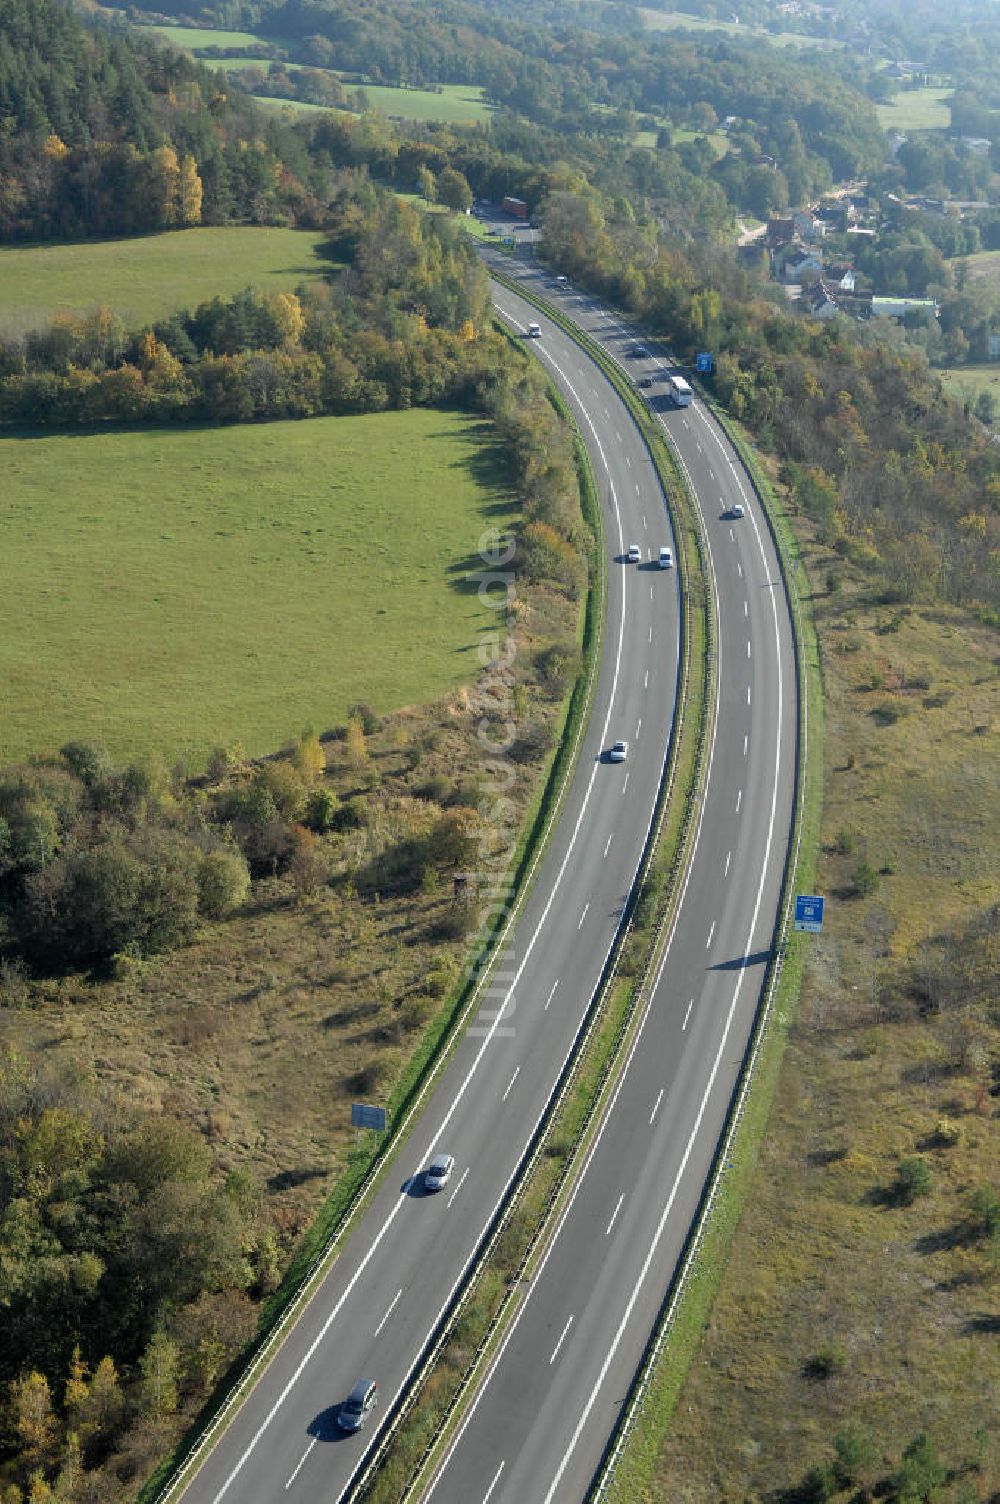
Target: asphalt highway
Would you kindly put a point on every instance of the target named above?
(374, 1313)
(543, 1418)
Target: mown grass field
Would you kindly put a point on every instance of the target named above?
(966, 382)
(916, 110)
(181, 589)
(148, 277)
(192, 38)
(455, 102)
(675, 20)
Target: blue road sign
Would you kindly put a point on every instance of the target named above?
(363, 1116)
(703, 362)
(809, 913)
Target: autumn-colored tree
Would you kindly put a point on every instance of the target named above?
(354, 743)
(158, 1366)
(99, 1413)
(307, 868)
(189, 192)
(309, 758)
(33, 1420)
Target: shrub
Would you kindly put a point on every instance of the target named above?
(913, 1179)
(845, 842)
(532, 745)
(985, 1207)
(223, 882)
(864, 880)
(363, 712)
(321, 810)
(826, 1361)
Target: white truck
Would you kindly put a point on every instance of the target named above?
(534, 331)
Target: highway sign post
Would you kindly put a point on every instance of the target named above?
(809, 913)
(703, 362)
(363, 1116)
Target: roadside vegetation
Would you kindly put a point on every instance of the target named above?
(851, 1349)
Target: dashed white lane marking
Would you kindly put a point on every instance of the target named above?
(562, 1339)
(638, 728)
(710, 934)
(729, 857)
(458, 1187)
(583, 915)
(510, 1083)
(656, 1107)
(739, 800)
(618, 436)
(551, 995)
(637, 489)
(650, 634)
(625, 784)
(687, 1015)
(395, 1299)
(628, 461)
(607, 1230)
(748, 647)
(740, 568)
(748, 694)
(645, 524)
(302, 1459)
(496, 1479)
(746, 742)
(732, 535)
(746, 609)
(646, 683)
(608, 846)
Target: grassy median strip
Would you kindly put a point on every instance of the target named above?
(493, 1296)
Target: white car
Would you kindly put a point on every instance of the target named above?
(618, 752)
(438, 1172)
(634, 553)
(666, 559)
(736, 510)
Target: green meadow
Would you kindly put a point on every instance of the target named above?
(178, 589)
(917, 110)
(147, 277)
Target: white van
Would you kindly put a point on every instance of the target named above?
(666, 559)
(534, 331)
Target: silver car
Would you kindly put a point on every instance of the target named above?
(618, 752)
(358, 1405)
(438, 1172)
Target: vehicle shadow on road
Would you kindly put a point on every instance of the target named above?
(415, 1187)
(323, 1427)
(739, 963)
